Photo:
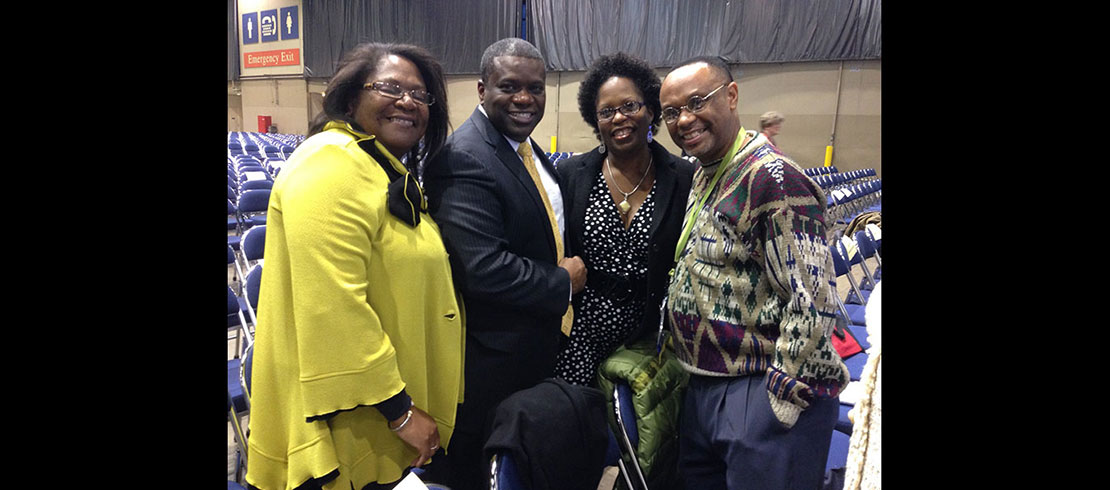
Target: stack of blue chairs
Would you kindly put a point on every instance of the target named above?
(847, 202)
(848, 252)
(559, 156)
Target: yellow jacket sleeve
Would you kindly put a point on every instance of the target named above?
(331, 214)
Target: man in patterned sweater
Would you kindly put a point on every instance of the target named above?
(750, 301)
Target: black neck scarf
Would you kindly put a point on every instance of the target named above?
(406, 199)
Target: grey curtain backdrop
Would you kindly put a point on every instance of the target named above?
(572, 33)
(455, 32)
(232, 41)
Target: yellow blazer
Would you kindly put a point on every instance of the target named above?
(354, 306)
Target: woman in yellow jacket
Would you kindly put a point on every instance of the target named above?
(357, 366)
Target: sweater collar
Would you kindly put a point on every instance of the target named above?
(741, 147)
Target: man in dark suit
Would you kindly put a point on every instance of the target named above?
(497, 201)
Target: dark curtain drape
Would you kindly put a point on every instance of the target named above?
(455, 32)
(232, 41)
(571, 33)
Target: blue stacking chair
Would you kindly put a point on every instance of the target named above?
(232, 221)
(872, 230)
(233, 268)
(867, 250)
(253, 246)
(867, 282)
(238, 380)
(840, 267)
(251, 285)
(252, 208)
(627, 438)
(504, 474)
(251, 185)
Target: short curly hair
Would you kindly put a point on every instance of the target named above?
(621, 65)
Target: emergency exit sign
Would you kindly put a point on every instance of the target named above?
(278, 57)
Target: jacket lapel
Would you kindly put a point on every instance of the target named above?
(665, 182)
(511, 161)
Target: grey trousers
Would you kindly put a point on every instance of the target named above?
(730, 438)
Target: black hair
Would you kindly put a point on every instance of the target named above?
(510, 46)
(358, 64)
(621, 65)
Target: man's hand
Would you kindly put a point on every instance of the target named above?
(577, 270)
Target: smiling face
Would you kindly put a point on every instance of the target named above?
(709, 133)
(397, 123)
(514, 95)
(622, 133)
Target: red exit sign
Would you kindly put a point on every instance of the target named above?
(279, 57)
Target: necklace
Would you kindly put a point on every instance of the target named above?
(624, 206)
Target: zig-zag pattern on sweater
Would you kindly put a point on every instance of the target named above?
(752, 290)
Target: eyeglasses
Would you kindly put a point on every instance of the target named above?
(696, 104)
(629, 108)
(395, 91)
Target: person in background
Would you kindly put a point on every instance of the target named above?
(357, 368)
(750, 301)
(624, 204)
(497, 199)
(770, 124)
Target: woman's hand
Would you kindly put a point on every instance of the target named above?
(421, 433)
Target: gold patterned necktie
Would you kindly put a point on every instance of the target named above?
(525, 152)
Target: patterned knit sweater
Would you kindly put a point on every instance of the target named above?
(752, 289)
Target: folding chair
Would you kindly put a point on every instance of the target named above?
(840, 266)
(253, 246)
(233, 269)
(238, 402)
(251, 285)
(504, 474)
(256, 184)
(867, 250)
(628, 438)
(236, 320)
(252, 207)
(874, 233)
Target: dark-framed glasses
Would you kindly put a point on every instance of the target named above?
(695, 104)
(395, 91)
(629, 108)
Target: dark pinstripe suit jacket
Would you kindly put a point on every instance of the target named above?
(502, 253)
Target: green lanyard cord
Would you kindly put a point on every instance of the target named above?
(690, 218)
(693, 215)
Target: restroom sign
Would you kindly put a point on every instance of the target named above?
(288, 23)
(250, 28)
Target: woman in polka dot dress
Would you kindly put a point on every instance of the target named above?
(624, 203)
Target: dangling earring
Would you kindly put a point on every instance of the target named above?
(649, 135)
(601, 148)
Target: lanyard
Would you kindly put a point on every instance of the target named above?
(690, 218)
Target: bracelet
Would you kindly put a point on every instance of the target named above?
(408, 417)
